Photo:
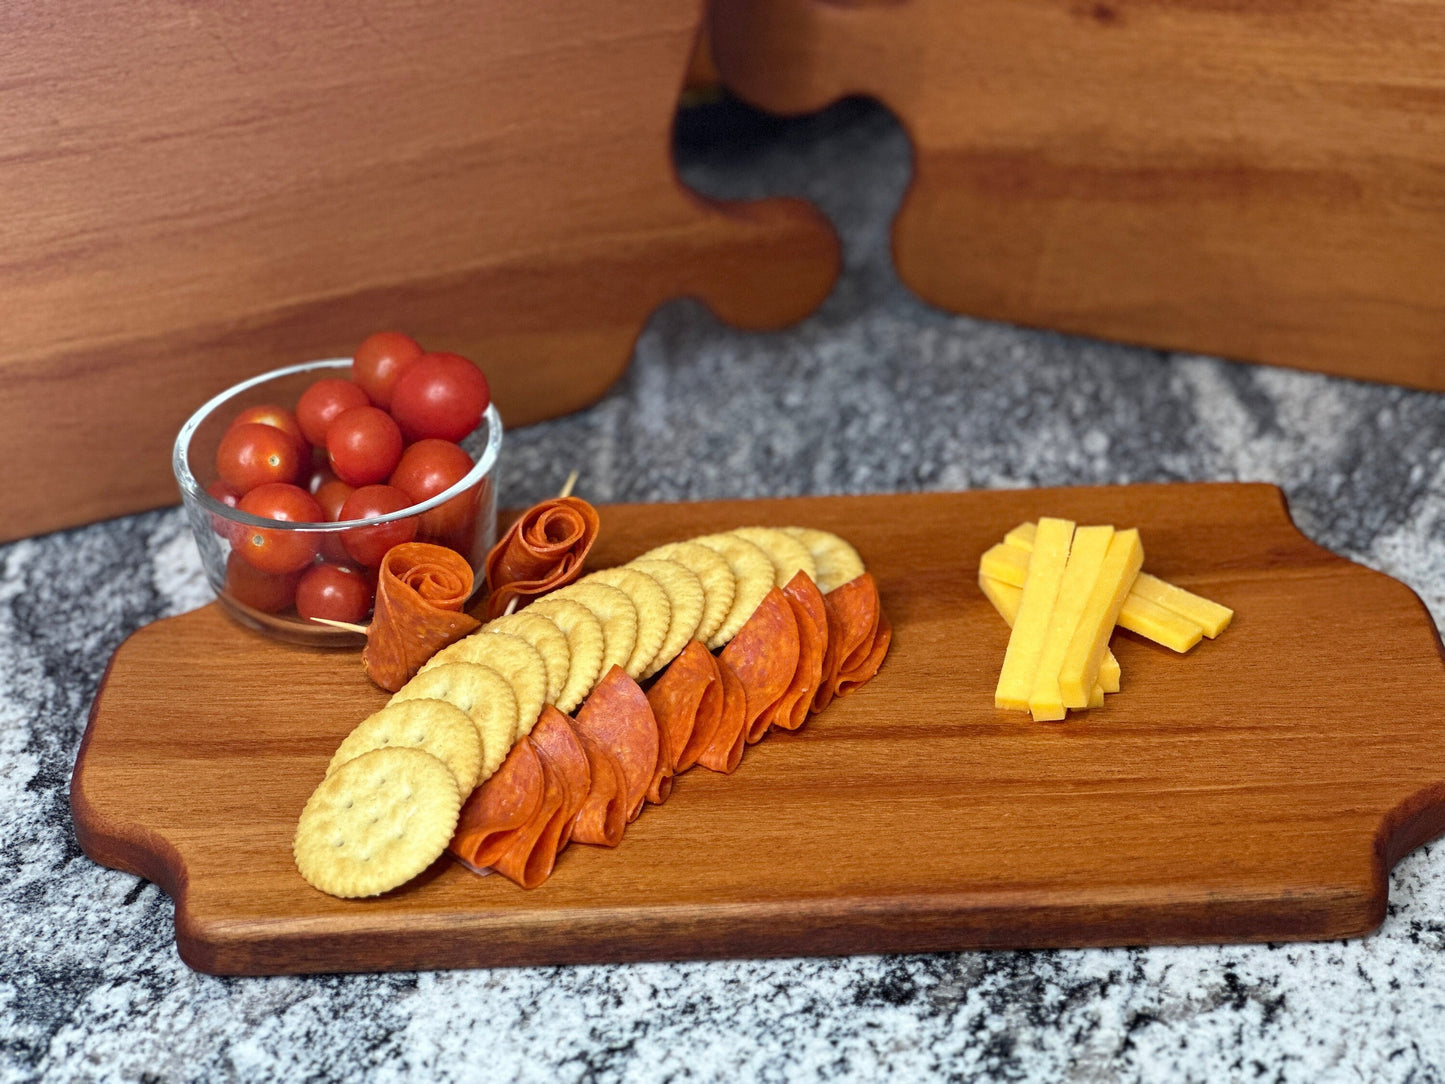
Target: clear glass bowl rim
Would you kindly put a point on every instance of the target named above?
(192, 490)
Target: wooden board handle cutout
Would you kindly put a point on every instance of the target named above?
(1259, 788)
(1253, 180)
(211, 196)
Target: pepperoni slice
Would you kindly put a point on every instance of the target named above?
(764, 655)
(420, 591)
(541, 552)
(603, 815)
(687, 703)
(499, 807)
(530, 854)
(793, 706)
(853, 612)
(618, 717)
(531, 849)
(865, 670)
(725, 751)
(560, 748)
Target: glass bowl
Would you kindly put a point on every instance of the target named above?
(263, 600)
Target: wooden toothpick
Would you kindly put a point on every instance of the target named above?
(567, 485)
(347, 625)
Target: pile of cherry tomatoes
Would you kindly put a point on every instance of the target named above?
(382, 441)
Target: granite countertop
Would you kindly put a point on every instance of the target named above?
(875, 393)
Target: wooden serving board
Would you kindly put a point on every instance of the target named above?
(1259, 788)
(1256, 179)
(196, 193)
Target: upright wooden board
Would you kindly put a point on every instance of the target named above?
(1258, 788)
(1256, 179)
(191, 194)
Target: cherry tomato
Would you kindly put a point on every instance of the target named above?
(369, 544)
(252, 454)
(276, 416)
(439, 395)
(260, 590)
(279, 551)
(334, 592)
(322, 402)
(427, 468)
(364, 445)
(230, 496)
(331, 496)
(379, 361)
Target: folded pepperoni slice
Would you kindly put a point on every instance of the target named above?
(865, 670)
(420, 591)
(561, 751)
(725, 751)
(764, 655)
(499, 807)
(687, 702)
(853, 611)
(529, 854)
(541, 552)
(529, 851)
(618, 717)
(791, 709)
(603, 815)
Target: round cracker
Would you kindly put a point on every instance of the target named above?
(755, 573)
(654, 614)
(549, 640)
(718, 582)
(685, 595)
(512, 657)
(616, 613)
(485, 695)
(837, 561)
(433, 726)
(584, 640)
(376, 822)
(787, 553)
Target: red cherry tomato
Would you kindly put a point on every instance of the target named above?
(439, 395)
(364, 445)
(252, 454)
(427, 468)
(369, 544)
(379, 361)
(274, 550)
(230, 496)
(260, 590)
(322, 402)
(333, 592)
(331, 496)
(276, 416)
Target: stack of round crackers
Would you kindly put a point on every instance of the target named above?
(393, 792)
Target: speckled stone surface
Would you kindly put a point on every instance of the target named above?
(875, 393)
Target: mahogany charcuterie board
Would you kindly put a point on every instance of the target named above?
(193, 194)
(1259, 788)
(1256, 179)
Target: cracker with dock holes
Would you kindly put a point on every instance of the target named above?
(585, 641)
(615, 611)
(549, 640)
(837, 561)
(433, 726)
(654, 613)
(512, 657)
(485, 695)
(788, 554)
(719, 585)
(376, 822)
(686, 598)
(755, 574)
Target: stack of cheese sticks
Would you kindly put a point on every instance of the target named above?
(1063, 589)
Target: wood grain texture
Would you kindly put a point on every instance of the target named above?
(1255, 179)
(1259, 788)
(191, 195)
